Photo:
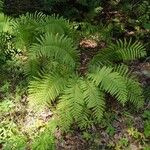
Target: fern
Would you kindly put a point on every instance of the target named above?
(81, 98)
(111, 82)
(128, 50)
(47, 89)
(5, 23)
(135, 93)
(61, 48)
(74, 96)
(94, 99)
(24, 29)
(52, 52)
(53, 60)
(28, 27)
(55, 24)
(120, 51)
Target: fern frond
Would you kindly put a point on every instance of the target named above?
(128, 50)
(55, 24)
(135, 93)
(5, 23)
(65, 116)
(121, 50)
(24, 29)
(59, 48)
(73, 94)
(44, 90)
(123, 70)
(32, 67)
(71, 102)
(133, 86)
(80, 99)
(94, 98)
(110, 81)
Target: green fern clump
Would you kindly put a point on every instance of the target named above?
(79, 97)
(28, 27)
(53, 61)
(24, 29)
(51, 52)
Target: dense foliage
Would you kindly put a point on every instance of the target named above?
(72, 61)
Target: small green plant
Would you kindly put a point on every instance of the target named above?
(5, 87)
(16, 141)
(110, 130)
(87, 136)
(53, 61)
(147, 128)
(122, 144)
(45, 140)
(146, 114)
(135, 133)
(6, 106)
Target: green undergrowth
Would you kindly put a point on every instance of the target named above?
(64, 76)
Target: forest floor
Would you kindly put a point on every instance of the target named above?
(121, 128)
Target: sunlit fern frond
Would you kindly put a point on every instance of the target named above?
(28, 27)
(24, 29)
(46, 89)
(5, 23)
(56, 25)
(135, 93)
(122, 50)
(111, 82)
(94, 99)
(57, 48)
(80, 99)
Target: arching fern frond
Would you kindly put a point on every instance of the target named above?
(123, 70)
(134, 88)
(94, 99)
(71, 104)
(32, 67)
(5, 23)
(24, 29)
(28, 27)
(44, 90)
(74, 95)
(128, 50)
(55, 24)
(110, 81)
(65, 116)
(59, 48)
(119, 51)
(135, 93)
(80, 99)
